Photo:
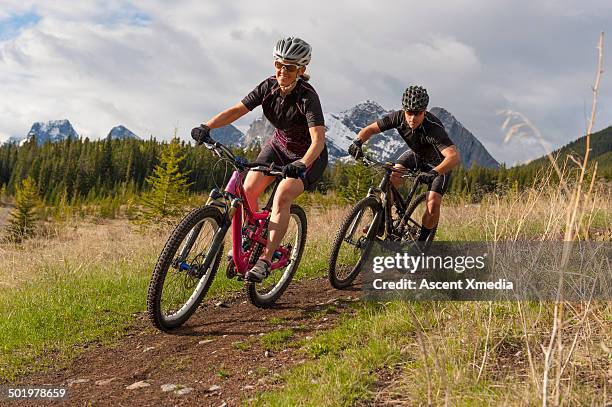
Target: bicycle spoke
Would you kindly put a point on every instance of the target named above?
(181, 280)
(349, 254)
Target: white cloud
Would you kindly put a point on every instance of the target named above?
(149, 65)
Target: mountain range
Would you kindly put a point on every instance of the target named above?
(58, 130)
(341, 129)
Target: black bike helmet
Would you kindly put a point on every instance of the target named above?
(415, 99)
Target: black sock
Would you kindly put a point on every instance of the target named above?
(424, 234)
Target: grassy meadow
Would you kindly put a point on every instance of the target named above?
(86, 282)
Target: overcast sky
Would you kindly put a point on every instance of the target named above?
(153, 65)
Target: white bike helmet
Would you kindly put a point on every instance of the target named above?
(293, 49)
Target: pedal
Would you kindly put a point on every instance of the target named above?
(230, 270)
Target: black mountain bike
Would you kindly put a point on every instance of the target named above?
(382, 215)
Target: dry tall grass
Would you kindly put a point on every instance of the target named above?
(562, 355)
(75, 248)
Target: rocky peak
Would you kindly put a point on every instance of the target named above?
(52, 130)
(470, 149)
(121, 132)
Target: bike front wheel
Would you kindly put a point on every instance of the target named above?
(185, 268)
(265, 294)
(414, 215)
(353, 242)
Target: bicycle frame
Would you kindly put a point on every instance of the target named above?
(259, 220)
(385, 188)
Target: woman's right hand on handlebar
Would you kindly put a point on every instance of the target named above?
(201, 134)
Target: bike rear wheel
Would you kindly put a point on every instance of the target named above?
(266, 293)
(353, 242)
(181, 278)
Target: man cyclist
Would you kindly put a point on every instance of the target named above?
(431, 150)
(292, 105)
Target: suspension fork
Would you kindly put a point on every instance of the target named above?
(217, 238)
(193, 233)
(220, 234)
(385, 188)
(191, 238)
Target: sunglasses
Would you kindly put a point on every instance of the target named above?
(288, 67)
(414, 112)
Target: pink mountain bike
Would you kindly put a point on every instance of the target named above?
(189, 261)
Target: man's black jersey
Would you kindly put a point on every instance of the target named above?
(426, 141)
(292, 115)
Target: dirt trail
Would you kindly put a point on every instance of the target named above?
(203, 354)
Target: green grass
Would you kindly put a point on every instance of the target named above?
(44, 323)
(346, 360)
(224, 374)
(276, 339)
(276, 321)
(433, 351)
(244, 346)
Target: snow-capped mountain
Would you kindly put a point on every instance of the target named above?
(52, 131)
(259, 132)
(386, 146)
(470, 149)
(228, 135)
(121, 132)
(341, 129)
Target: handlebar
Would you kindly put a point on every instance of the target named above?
(240, 163)
(389, 166)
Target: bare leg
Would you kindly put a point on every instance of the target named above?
(396, 180)
(254, 184)
(287, 191)
(432, 212)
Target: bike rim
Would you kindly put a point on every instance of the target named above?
(355, 243)
(181, 286)
(278, 278)
(412, 228)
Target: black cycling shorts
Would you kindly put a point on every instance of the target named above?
(272, 154)
(410, 160)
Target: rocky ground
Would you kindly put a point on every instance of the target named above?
(220, 357)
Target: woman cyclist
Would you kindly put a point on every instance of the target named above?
(292, 105)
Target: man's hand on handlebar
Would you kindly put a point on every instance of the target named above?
(428, 177)
(201, 134)
(296, 169)
(355, 149)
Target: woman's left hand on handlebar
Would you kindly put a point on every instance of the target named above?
(296, 169)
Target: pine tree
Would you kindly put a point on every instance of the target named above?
(22, 223)
(169, 186)
(359, 180)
